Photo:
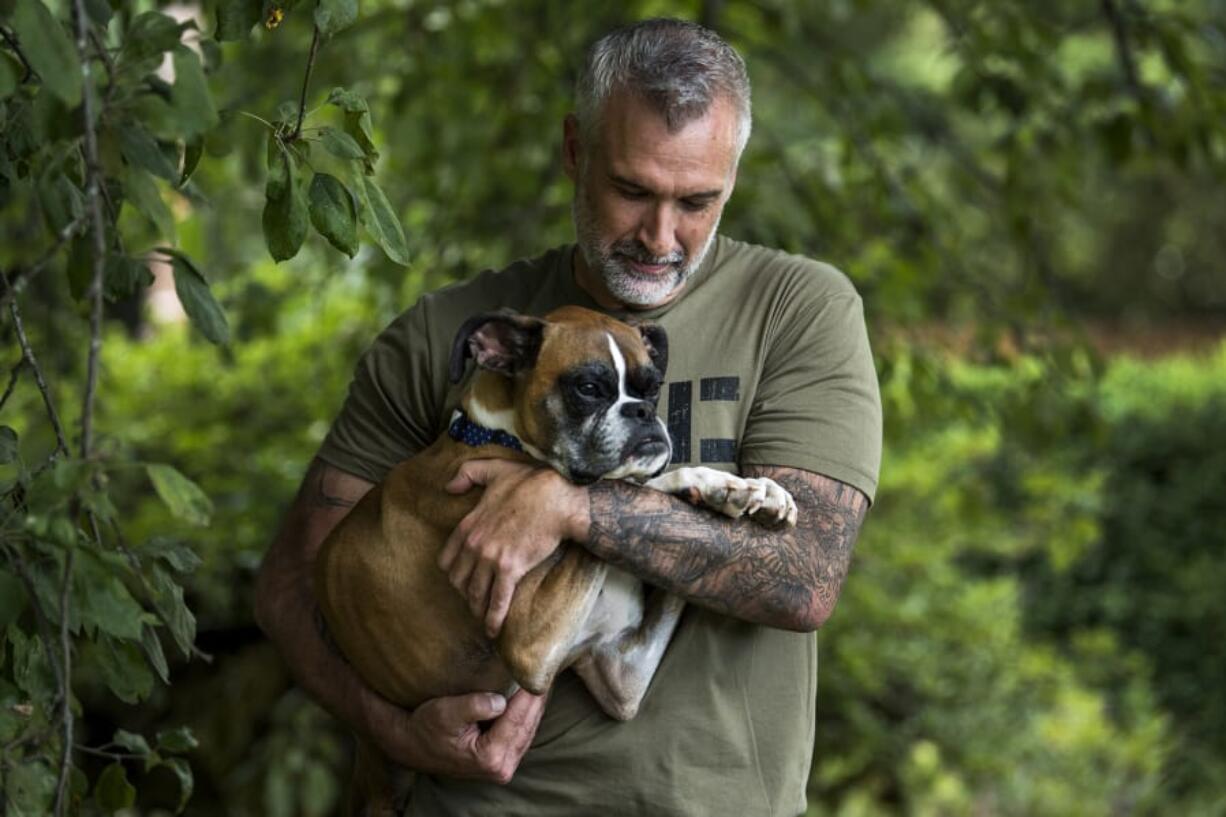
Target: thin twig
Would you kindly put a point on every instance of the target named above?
(12, 43)
(12, 288)
(12, 381)
(89, 750)
(306, 81)
(61, 442)
(1128, 64)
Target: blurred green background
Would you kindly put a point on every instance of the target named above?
(1029, 197)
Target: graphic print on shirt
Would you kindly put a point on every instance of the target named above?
(680, 419)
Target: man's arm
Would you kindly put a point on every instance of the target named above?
(442, 736)
(787, 578)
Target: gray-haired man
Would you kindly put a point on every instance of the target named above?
(770, 374)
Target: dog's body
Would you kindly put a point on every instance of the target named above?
(577, 391)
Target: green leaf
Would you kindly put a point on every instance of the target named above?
(190, 99)
(134, 743)
(150, 35)
(152, 645)
(285, 211)
(182, 496)
(103, 600)
(99, 11)
(198, 301)
(123, 668)
(340, 144)
(80, 266)
(333, 213)
(235, 18)
(180, 556)
(8, 445)
(141, 149)
(192, 152)
(29, 789)
(13, 600)
(357, 123)
(140, 189)
(184, 772)
(332, 16)
(49, 49)
(61, 201)
(126, 276)
(177, 740)
(168, 599)
(113, 790)
(379, 218)
(9, 76)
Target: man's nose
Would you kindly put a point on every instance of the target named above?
(658, 232)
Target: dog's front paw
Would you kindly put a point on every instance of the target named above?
(776, 508)
(762, 499)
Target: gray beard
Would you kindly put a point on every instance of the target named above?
(611, 260)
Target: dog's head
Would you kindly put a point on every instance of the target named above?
(578, 388)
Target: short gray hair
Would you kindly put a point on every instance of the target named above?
(677, 67)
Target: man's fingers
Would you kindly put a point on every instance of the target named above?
(477, 472)
(451, 549)
(462, 710)
(478, 591)
(512, 733)
(500, 602)
(461, 569)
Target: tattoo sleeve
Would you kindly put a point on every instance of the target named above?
(787, 578)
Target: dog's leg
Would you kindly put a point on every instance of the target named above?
(761, 498)
(617, 673)
(548, 614)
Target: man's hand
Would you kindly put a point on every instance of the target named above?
(443, 736)
(525, 513)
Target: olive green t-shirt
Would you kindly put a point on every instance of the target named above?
(769, 364)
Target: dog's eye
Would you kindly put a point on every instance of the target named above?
(588, 389)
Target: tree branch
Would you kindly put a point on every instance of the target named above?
(306, 81)
(1127, 62)
(27, 353)
(13, 287)
(12, 381)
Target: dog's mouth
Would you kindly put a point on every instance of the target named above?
(652, 446)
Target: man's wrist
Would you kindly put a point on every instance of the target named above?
(576, 508)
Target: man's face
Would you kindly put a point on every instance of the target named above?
(647, 201)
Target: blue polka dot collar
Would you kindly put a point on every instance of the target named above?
(466, 431)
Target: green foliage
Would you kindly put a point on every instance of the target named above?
(1012, 640)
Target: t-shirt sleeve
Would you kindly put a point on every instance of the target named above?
(390, 411)
(817, 406)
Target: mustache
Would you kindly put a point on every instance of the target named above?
(636, 251)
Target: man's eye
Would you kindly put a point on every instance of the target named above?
(632, 194)
(695, 205)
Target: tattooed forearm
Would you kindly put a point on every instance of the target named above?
(784, 578)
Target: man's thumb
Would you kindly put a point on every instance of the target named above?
(483, 706)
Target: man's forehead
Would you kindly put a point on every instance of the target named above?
(633, 132)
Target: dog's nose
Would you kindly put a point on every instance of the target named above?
(642, 411)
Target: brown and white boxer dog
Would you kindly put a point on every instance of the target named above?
(576, 390)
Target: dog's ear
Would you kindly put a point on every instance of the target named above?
(656, 341)
(504, 342)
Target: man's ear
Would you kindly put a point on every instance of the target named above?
(571, 146)
(656, 341)
(504, 342)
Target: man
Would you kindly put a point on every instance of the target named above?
(769, 371)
